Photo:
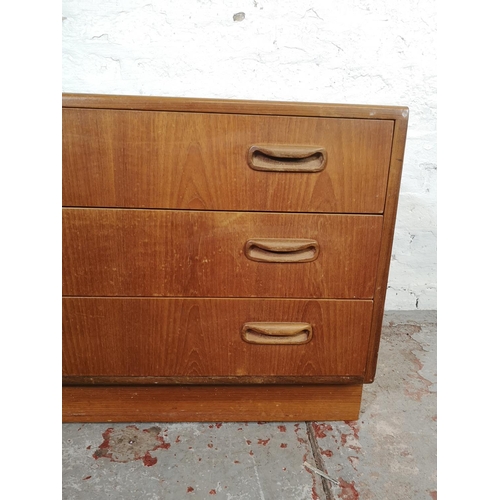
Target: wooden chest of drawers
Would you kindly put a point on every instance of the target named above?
(224, 260)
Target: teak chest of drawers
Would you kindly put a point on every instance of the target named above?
(224, 260)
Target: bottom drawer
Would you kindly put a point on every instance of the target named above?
(183, 340)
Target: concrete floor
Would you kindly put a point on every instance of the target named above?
(388, 454)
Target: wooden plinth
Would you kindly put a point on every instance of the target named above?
(272, 403)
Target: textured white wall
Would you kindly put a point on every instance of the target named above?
(340, 51)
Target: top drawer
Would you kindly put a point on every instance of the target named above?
(184, 160)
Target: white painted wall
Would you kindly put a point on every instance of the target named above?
(340, 51)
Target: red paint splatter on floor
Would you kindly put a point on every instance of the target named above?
(100, 452)
(351, 437)
(249, 442)
(178, 439)
(327, 453)
(212, 492)
(218, 425)
(354, 426)
(283, 445)
(210, 445)
(433, 495)
(250, 453)
(87, 477)
(314, 494)
(88, 447)
(349, 492)
(236, 461)
(113, 442)
(353, 447)
(263, 442)
(282, 428)
(319, 429)
(354, 462)
(148, 460)
(299, 439)
(190, 489)
(414, 390)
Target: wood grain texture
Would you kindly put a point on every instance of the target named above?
(202, 337)
(390, 212)
(211, 403)
(171, 199)
(114, 158)
(84, 380)
(114, 252)
(238, 106)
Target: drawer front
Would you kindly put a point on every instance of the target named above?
(110, 252)
(117, 158)
(203, 337)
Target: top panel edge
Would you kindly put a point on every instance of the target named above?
(204, 105)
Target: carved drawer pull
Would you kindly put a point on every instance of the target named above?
(281, 250)
(280, 158)
(277, 333)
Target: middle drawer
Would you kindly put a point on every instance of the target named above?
(118, 252)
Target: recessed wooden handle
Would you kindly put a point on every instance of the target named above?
(281, 158)
(277, 333)
(281, 250)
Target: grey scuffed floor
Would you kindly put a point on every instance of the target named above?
(388, 454)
